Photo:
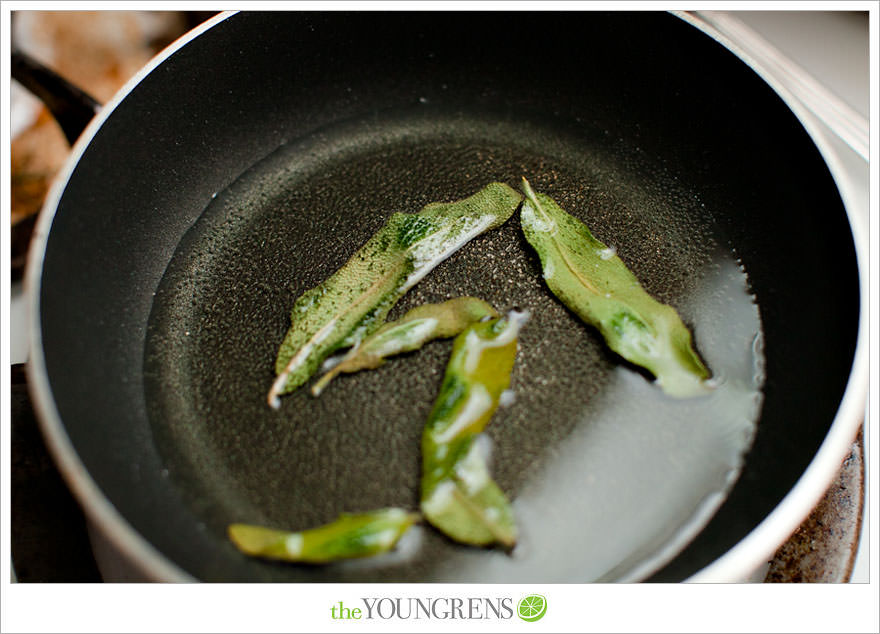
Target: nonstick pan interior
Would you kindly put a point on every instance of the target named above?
(589, 450)
(708, 188)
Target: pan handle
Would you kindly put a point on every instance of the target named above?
(71, 107)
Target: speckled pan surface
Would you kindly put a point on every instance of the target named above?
(583, 449)
(169, 276)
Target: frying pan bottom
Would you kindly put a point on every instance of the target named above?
(609, 478)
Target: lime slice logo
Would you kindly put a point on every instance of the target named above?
(532, 607)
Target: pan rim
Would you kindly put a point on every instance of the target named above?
(734, 565)
(763, 540)
(102, 514)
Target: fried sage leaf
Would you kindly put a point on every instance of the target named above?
(355, 300)
(458, 495)
(347, 537)
(593, 282)
(416, 328)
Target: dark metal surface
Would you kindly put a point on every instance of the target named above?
(650, 93)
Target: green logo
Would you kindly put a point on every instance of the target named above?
(532, 607)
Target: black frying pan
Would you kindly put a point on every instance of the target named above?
(250, 163)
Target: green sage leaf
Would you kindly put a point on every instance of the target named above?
(458, 495)
(416, 328)
(595, 284)
(349, 536)
(354, 301)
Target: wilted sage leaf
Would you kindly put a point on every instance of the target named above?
(592, 281)
(354, 301)
(458, 495)
(349, 536)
